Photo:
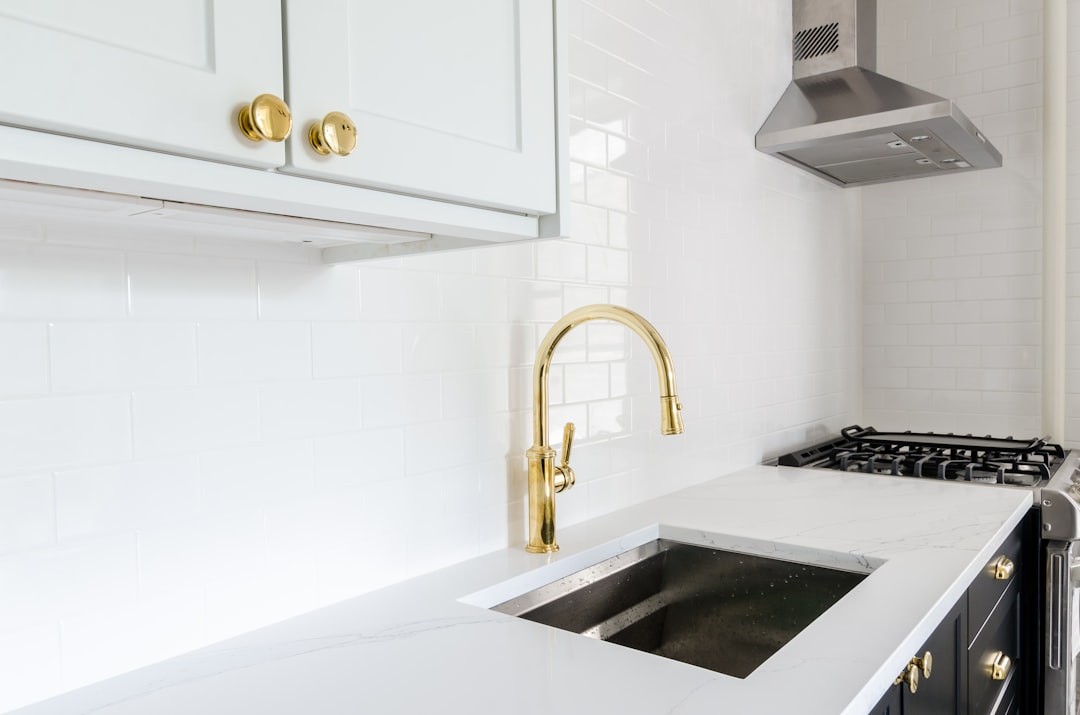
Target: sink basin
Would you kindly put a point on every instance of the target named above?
(721, 610)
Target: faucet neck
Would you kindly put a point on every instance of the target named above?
(672, 422)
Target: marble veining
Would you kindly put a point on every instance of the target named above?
(430, 644)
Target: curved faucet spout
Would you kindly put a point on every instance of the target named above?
(543, 482)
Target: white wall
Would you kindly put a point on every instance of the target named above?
(953, 264)
(200, 436)
(1072, 308)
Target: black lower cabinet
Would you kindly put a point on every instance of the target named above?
(982, 650)
(889, 704)
(945, 691)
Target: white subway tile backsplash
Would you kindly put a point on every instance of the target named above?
(473, 298)
(233, 352)
(239, 479)
(191, 287)
(951, 40)
(1018, 25)
(178, 421)
(982, 235)
(929, 335)
(1025, 48)
(24, 362)
(38, 434)
(605, 189)
(608, 265)
(475, 392)
(561, 260)
(43, 587)
(588, 145)
(56, 283)
(983, 11)
(535, 301)
(103, 357)
(1024, 121)
(347, 461)
(507, 261)
(957, 356)
(931, 291)
(348, 349)
(124, 498)
(1010, 264)
(289, 410)
(27, 518)
(395, 400)
(288, 291)
(448, 443)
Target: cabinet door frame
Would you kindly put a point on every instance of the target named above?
(399, 155)
(96, 88)
(949, 646)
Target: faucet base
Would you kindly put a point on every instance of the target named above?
(541, 500)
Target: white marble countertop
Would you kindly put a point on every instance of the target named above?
(430, 645)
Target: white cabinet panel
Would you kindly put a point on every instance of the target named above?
(453, 100)
(168, 76)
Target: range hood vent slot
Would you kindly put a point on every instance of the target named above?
(842, 121)
(817, 41)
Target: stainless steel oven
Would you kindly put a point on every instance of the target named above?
(1059, 501)
(1049, 472)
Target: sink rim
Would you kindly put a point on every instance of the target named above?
(557, 589)
(560, 565)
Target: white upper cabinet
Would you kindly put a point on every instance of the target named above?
(452, 100)
(168, 76)
(449, 108)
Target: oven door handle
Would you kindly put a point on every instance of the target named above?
(1058, 588)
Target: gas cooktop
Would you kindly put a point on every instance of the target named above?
(968, 458)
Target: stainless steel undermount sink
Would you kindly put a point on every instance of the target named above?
(721, 610)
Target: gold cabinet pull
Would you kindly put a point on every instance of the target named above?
(1003, 568)
(909, 676)
(925, 664)
(267, 117)
(1000, 666)
(335, 134)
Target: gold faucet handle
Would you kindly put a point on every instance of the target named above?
(564, 475)
(567, 443)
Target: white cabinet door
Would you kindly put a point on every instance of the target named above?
(168, 76)
(451, 99)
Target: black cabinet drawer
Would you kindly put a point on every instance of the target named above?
(1010, 703)
(986, 589)
(998, 639)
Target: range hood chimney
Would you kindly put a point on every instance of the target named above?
(841, 120)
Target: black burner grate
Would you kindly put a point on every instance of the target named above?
(934, 456)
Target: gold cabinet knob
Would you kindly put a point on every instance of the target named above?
(335, 134)
(909, 676)
(1000, 666)
(1003, 568)
(564, 475)
(924, 664)
(267, 117)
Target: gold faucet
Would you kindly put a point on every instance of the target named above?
(545, 477)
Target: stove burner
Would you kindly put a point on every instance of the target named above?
(934, 456)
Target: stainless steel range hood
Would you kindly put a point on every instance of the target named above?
(848, 124)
